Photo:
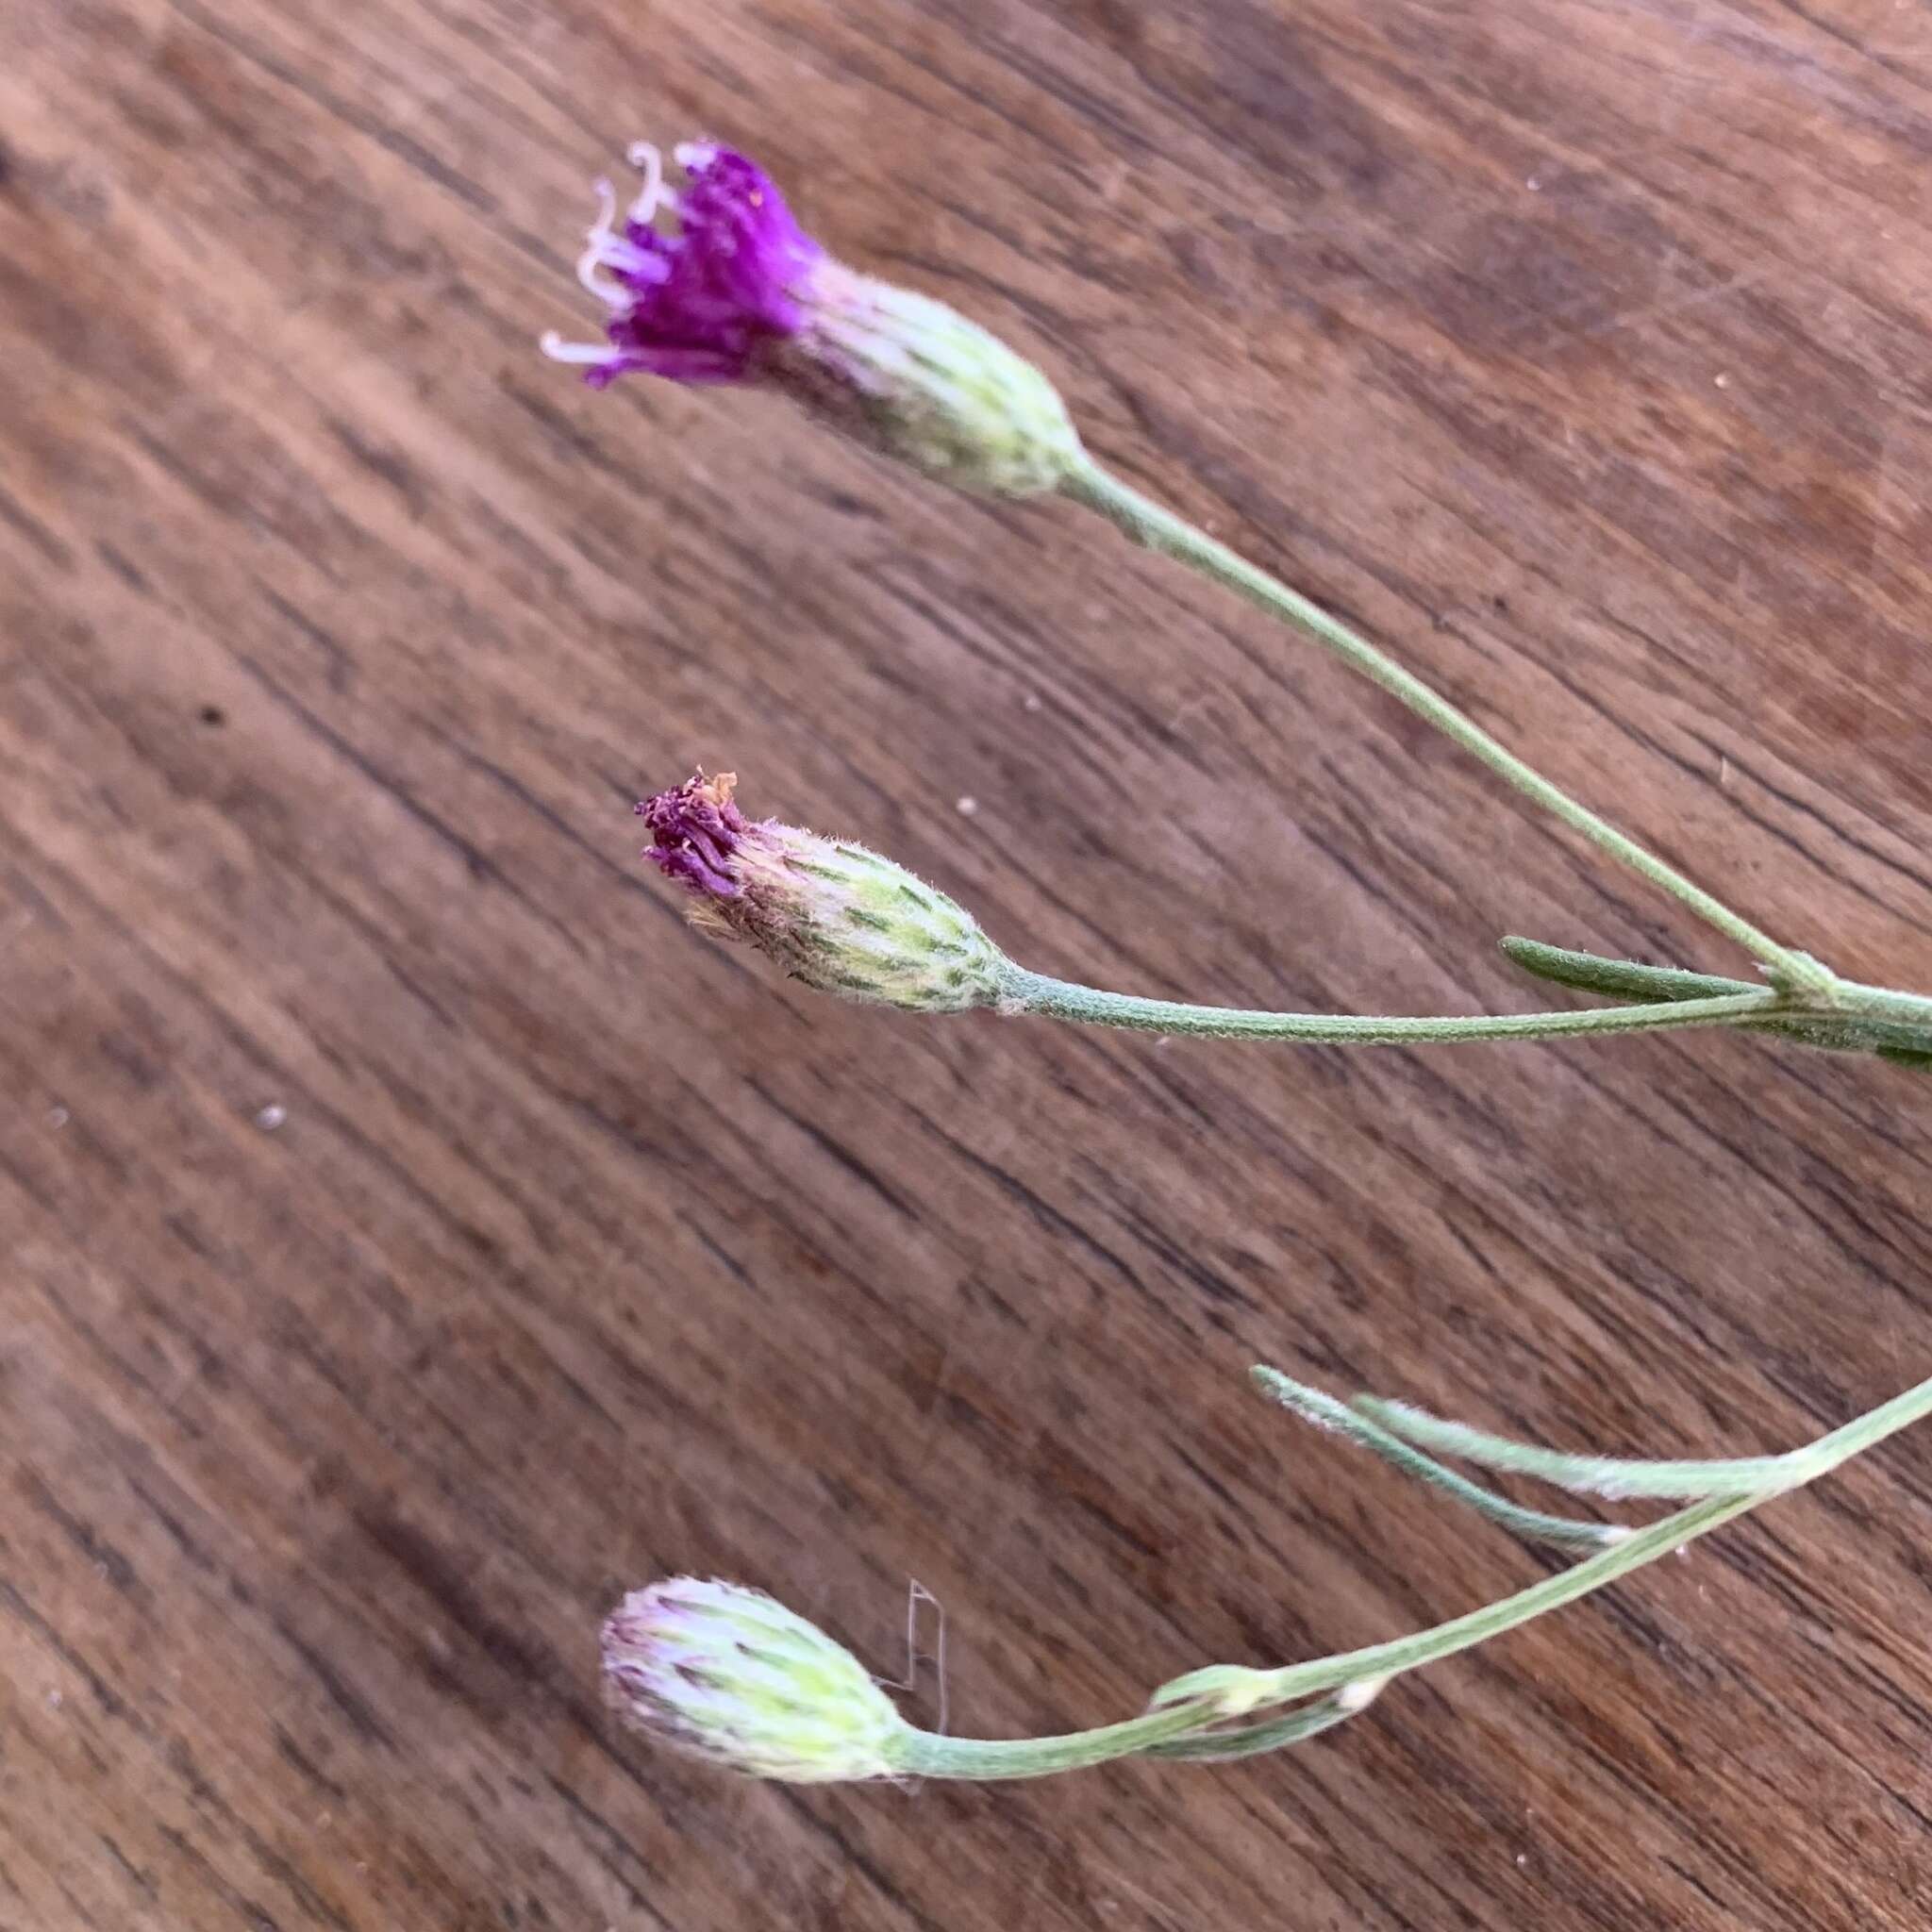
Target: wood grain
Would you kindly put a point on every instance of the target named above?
(416, 1236)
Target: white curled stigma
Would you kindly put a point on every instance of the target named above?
(605, 246)
(653, 193)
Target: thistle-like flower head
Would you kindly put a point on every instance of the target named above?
(735, 290)
(696, 302)
(834, 915)
(731, 1675)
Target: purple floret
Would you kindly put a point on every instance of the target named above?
(694, 303)
(695, 833)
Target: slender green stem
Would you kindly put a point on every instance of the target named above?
(1883, 1003)
(1158, 528)
(1619, 1477)
(925, 1754)
(1258, 1688)
(1022, 992)
(1324, 1413)
(1183, 1717)
(1250, 1740)
(1864, 1018)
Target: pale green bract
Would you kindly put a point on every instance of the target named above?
(730, 1675)
(917, 381)
(870, 931)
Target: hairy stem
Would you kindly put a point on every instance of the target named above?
(1863, 1019)
(1782, 1473)
(1186, 1718)
(1158, 528)
(1022, 992)
(925, 1754)
(1325, 1412)
(1615, 1475)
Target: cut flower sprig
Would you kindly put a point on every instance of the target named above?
(848, 920)
(726, 1673)
(716, 282)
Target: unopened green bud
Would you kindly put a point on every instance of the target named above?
(832, 914)
(730, 1676)
(1223, 1691)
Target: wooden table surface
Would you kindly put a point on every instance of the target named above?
(417, 1235)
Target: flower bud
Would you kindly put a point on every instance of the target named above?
(834, 915)
(731, 1675)
(1223, 1691)
(735, 290)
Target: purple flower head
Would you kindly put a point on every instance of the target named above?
(697, 301)
(832, 914)
(732, 290)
